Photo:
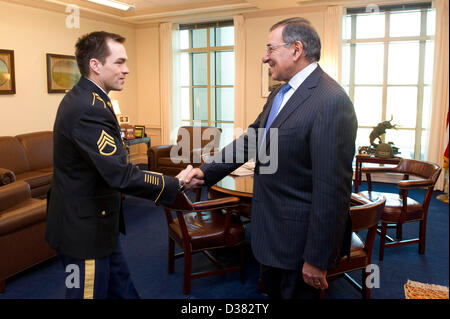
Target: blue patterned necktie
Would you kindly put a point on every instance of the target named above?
(274, 110)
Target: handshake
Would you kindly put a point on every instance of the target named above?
(192, 177)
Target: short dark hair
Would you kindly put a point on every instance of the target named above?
(300, 29)
(93, 45)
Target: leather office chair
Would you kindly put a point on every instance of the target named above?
(192, 143)
(202, 226)
(365, 214)
(400, 208)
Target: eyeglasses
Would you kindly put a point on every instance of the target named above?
(271, 47)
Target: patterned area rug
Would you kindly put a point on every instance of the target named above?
(418, 290)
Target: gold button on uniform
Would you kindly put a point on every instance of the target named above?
(103, 213)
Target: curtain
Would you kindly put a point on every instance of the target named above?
(239, 81)
(166, 78)
(332, 42)
(176, 93)
(440, 97)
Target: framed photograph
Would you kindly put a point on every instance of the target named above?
(139, 131)
(62, 73)
(123, 119)
(267, 83)
(7, 75)
(128, 131)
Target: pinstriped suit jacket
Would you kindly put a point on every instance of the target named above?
(301, 212)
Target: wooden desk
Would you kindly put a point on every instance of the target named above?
(136, 141)
(239, 186)
(370, 159)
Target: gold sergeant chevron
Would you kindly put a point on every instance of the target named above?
(105, 140)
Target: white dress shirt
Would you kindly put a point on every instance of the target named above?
(296, 81)
(98, 87)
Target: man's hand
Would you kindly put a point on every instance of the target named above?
(315, 277)
(182, 175)
(192, 177)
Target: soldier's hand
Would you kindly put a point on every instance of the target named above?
(182, 175)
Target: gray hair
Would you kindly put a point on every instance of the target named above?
(300, 29)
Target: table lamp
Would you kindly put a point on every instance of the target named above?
(116, 108)
(120, 117)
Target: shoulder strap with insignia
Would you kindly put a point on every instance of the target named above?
(95, 97)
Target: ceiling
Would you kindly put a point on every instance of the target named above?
(156, 11)
(170, 5)
(145, 4)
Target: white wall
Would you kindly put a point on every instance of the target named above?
(148, 83)
(32, 33)
(258, 27)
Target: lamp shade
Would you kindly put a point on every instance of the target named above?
(116, 108)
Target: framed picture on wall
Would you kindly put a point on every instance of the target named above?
(62, 73)
(267, 83)
(7, 74)
(123, 119)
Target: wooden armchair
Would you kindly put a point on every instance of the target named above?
(400, 208)
(203, 226)
(365, 215)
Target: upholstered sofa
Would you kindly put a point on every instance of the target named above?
(22, 230)
(28, 157)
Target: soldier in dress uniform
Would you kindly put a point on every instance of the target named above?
(84, 211)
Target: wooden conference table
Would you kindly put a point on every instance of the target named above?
(239, 186)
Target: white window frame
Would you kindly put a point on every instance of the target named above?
(422, 38)
(211, 121)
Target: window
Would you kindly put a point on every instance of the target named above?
(206, 76)
(387, 72)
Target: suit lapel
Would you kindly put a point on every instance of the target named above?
(299, 97)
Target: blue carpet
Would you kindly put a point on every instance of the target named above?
(145, 247)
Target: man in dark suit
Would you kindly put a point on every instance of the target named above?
(300, 224)
(84, 212)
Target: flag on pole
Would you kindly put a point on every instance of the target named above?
(446, 147)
